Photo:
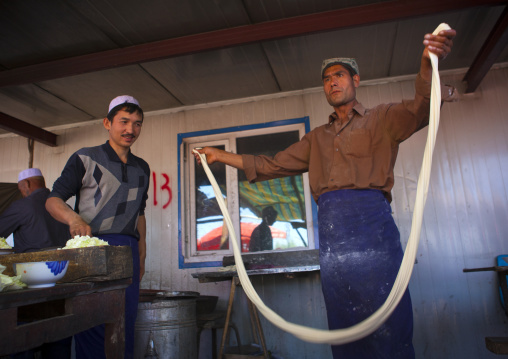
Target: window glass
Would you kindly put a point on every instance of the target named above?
(275, 213)
(272, 213)
(211, 231)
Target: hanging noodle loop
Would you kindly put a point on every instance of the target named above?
(369, 325)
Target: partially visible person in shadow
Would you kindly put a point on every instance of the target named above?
(261, 237)
(33, 228)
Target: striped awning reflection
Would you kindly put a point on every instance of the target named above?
(284, 194)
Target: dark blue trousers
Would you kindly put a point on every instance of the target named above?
(90, 343)
(360, 255)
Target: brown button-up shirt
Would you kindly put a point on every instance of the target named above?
(357, 154)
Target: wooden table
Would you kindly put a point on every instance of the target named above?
(61, 311)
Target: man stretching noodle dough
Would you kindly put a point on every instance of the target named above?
(350, 161)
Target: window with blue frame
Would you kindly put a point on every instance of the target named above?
(274, 215)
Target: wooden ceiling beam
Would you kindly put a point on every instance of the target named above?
(270, 30)
(496, 42)
(25, 129)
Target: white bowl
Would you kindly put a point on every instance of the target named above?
(41, 274)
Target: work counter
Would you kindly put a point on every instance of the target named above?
(92, 292)
(55, 313)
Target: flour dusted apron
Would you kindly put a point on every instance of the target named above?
(360, 255)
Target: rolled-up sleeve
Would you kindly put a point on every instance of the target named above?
(403, 119)
(448, 92)
(289, 162)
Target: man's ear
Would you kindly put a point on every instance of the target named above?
(356, 80)
(106, 123)
(25, 183)
(24, 187)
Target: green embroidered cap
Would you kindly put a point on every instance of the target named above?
(348, 62)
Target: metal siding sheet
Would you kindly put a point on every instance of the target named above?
(192, 81)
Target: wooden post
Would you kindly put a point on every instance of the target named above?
(30, 152)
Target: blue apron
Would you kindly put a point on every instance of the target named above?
(360, 255)
(90, 343)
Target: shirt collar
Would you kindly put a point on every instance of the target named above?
(38, 190)
(358, 108)
(114, 157)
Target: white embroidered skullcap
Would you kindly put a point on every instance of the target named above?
(121, 100)
(31, 172)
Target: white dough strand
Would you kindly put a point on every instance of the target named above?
(369, 325)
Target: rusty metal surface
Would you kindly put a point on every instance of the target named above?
(276, 259)
(220, 276)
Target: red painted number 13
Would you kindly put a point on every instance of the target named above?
(164, 187)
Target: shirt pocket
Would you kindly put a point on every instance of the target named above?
(359, 143)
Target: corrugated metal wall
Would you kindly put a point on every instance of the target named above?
(465, 220)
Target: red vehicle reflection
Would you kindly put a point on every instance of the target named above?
(211, 240)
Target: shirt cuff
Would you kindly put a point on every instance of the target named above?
(423, 88)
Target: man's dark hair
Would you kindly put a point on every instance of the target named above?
(351, 71)
(127, 107)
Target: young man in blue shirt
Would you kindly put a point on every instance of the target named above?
(111, 189)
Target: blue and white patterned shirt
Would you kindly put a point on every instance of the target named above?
(110, 194)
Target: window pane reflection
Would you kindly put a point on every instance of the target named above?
(211, 231)
(272, 213)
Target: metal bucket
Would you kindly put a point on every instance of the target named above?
(169, 319)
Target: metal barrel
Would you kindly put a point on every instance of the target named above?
(170, 318)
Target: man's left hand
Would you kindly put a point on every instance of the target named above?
(440, 44)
